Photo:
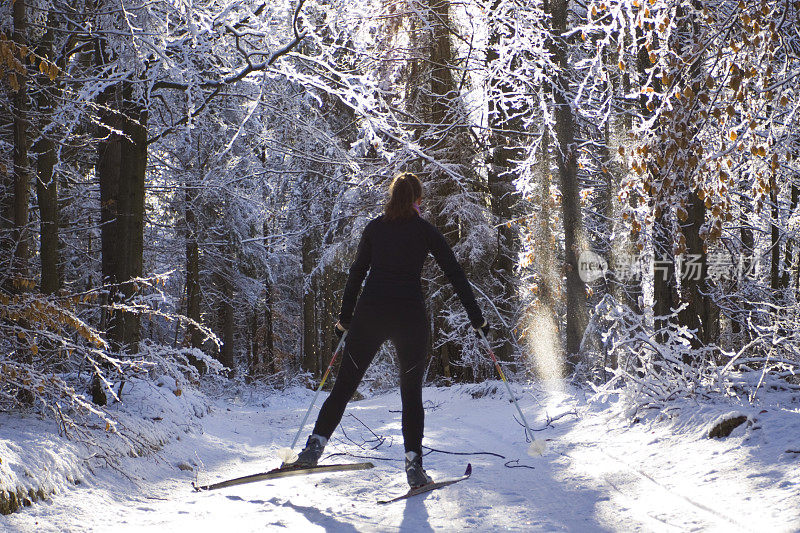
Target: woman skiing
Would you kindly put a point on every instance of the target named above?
(393, 248)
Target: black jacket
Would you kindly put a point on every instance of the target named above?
(394, 253)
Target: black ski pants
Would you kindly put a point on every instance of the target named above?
(404, 323)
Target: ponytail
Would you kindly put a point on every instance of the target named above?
(405, 189)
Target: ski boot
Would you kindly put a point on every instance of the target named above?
(309, 456)
(416, 475)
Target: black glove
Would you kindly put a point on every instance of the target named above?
(340, 329)
(484, 328)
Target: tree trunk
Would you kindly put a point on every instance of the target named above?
(21, 178)
(47, 197)
(700, 313)
(328, 314)
(696, 314)
(631, 289)
(195, 339)
(310, 350)
(789, 264)
(121, 166)
(442, 98)
(441, 78)
(664, 279)
(108, 171)
(566, 162)
(775, 237)
(193, 294)
(622, 253)
(272, 366)
(47, 183)
(131, 208)
(743, 279)
(122, 161)
(22, 171)
(505, 150)
(227, 318)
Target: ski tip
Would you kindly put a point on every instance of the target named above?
(468, 471)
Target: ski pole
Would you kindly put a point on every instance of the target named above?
(536, 447)
(321, 383)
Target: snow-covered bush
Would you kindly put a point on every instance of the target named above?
(649, 366)
(50, 356)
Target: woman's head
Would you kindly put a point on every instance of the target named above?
(405, 190)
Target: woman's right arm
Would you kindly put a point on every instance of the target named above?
(447, 261)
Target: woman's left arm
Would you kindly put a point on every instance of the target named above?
(358, 271)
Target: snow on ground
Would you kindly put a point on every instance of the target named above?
(601, 472)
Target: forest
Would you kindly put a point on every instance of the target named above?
(183, 187)
(183, 184)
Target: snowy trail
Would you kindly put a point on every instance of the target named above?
(597, 475)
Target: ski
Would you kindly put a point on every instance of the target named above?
(283, 472)
(429, 487)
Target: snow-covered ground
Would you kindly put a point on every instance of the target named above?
(601, 472)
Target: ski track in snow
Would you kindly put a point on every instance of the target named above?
(600, 473)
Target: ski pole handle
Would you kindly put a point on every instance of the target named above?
(508, 387)
(321, 384)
